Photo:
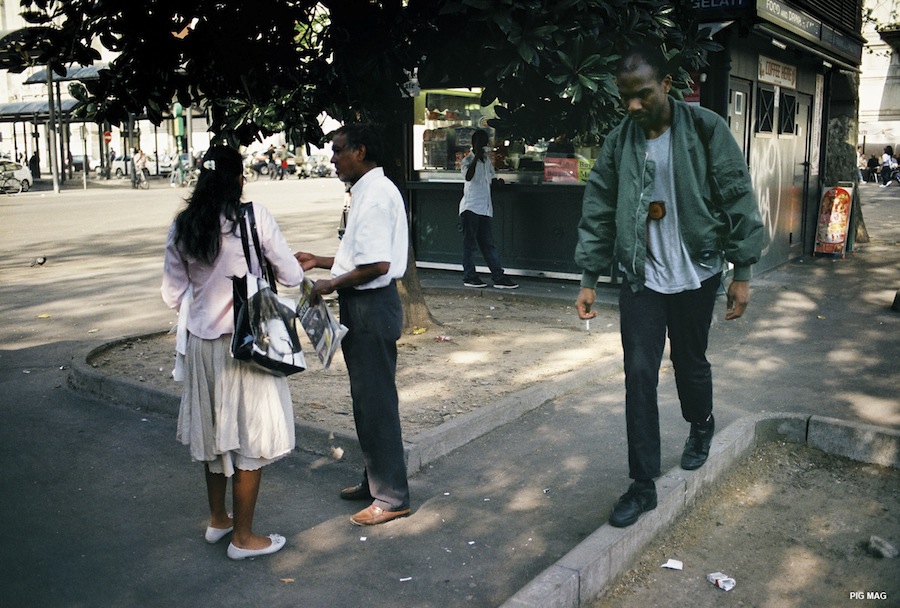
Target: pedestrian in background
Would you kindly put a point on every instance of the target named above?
(176, 176)
(235, 417)
(475, 212)
(137, 163)
(371, 256)
(888, 164)
(668, 200)
(34, 163)
(860, 164)
(872, 167)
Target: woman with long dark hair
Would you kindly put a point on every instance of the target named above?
(235, 418)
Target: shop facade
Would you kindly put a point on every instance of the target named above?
(780, 78)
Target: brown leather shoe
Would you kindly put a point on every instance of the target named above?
(358, 492)
(373, 515)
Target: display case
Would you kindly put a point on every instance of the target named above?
(445, 120)
(536, 198)
(445, 147)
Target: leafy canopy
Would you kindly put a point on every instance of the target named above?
(276, 65)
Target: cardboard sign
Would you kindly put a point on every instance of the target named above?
(834, 220)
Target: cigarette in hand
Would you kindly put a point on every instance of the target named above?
(587, 325)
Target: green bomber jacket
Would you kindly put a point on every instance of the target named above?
(717, 210)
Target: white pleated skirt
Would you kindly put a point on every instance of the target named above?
(232, 415)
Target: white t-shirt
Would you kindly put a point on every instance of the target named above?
(376, 229)
(668, 268)
(477, 191)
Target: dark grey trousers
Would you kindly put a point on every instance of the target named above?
(375, 320)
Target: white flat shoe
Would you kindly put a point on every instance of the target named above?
(278, 542)
(214, 535)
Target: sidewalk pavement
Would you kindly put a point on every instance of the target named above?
(77, 182)
(103, 508)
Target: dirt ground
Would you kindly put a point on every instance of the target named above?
(791, 526)
(489, 344)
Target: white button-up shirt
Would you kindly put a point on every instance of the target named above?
(376, 229)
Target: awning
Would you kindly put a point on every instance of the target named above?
(90, 72)
(770, 31)
(38, 111)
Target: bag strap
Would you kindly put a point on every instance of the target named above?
(248, 217)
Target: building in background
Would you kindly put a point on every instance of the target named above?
(879, 83)
(786, 75)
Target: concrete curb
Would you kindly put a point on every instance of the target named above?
(420, 450)
(84, 378)
(591, 568)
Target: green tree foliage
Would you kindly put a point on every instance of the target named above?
(551, 63)
(276, 65)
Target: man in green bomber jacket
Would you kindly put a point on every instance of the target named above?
(669, 200)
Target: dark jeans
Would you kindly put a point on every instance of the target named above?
(375, 320)
(477, 232)
(646, 316)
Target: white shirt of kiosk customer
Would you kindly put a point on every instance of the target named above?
(477, 191)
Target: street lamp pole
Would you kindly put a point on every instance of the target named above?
(51, 130)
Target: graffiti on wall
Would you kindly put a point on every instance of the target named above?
(766, 174)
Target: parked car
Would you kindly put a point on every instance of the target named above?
(165, 165)
(21, 173)
(78, 162)
(121, 166)
(316, 165)
(258, 162)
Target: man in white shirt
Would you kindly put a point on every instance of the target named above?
(371, 256)
(475, 212)
(139, 161)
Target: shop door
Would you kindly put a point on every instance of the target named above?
(800, 185)
(739, 111)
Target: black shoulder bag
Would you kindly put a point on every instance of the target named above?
(265, 331)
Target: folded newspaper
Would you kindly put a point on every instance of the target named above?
(324, 330)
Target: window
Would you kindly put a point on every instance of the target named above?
(765, 111)
(788, 115)
(738, 102)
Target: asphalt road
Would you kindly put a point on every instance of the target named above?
(104, 249)
(88, 482)
(100, 507)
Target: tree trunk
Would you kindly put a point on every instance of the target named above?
(415, 310)
(397, 154)
(364, 24)
(861, 234)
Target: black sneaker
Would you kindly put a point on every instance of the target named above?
(696, 448)
(476, 282)
(640, 498)
(505, 283)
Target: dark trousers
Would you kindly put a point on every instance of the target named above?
(477, 232)
(374, 318)
(646, 316)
